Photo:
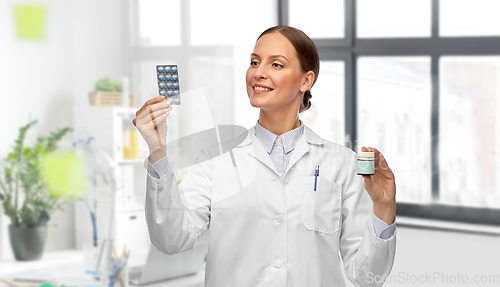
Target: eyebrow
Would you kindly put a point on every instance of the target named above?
(272, 56)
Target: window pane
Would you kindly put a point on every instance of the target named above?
(469, 17)
(393, 18)
(211, 22)
(154, 28)
(394, 113)
(215, 76)
(318, 18)
(326, 114)
(469, 125)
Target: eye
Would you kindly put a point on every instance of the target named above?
(254, 63)
(276, 65)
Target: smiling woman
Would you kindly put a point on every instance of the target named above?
(285, 59)
(273, 218)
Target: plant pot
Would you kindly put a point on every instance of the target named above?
(109, 99)
(27, 242)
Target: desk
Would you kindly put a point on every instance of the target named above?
(66, 267)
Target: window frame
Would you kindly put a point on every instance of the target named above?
(135, 53)
(283, 8)
(350, 49)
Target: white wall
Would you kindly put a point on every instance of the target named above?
(427, 258)
(43, 79)
(97, 40)
(36, 84)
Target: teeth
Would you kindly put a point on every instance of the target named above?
(261, 89)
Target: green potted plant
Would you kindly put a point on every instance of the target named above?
(108, 93)
(107, 85)
(24, 194)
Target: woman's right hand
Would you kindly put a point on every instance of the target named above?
(151, 122)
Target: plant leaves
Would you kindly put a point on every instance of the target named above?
(24, 162)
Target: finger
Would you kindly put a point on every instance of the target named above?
(151, 109)
(144, 107)
(150, 102)
(153, 125)
(160, 119)
(160, 105)
(154, 118)
(148, 115)
(380, 162)
(368, 181)
(363, 149)
(375, 152)
(383, 163)
(376, 158)
(367, 177)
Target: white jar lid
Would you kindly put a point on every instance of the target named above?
(366, 155)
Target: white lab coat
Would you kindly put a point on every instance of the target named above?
(268, 232)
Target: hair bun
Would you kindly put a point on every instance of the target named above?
(306, 102)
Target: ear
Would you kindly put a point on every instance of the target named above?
(307, 81)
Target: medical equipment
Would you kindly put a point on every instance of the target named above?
(366, 163)
(168, 83)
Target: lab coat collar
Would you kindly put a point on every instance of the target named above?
(256, 149)
(309, 136)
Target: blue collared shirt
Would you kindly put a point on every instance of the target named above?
(279, 148)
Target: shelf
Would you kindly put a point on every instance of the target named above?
(107, 125)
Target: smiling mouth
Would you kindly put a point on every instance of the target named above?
(257, 88)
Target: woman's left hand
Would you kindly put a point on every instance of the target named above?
(381, 186)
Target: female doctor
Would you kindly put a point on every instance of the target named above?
(272, 221)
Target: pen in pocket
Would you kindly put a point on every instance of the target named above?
(316, 174)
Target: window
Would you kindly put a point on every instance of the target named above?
(422, 85)
(469, 18)
(319, 18)
(326, 114)
(156, 27)
(394, 107)
(210, 22)
(201, 38)
(416, 78)
(469, 146)
(393, 18)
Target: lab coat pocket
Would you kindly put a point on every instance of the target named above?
(321, 208)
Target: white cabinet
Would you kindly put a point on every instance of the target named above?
(106, 126)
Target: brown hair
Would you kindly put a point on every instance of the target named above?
(306, 52)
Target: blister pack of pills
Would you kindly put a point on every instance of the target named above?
(168, 83)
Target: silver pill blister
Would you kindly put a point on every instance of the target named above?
(167, 77)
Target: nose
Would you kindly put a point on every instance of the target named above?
(260, 72)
